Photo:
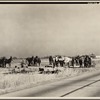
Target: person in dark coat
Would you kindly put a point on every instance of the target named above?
(80, 62)
(85, 61)
(73, 61)
(89, 61)
(35, 60)
(50, 60)
(56, 61)
(39, 61)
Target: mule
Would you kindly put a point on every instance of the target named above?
(8, 61)
(30, 60)
(37, 60)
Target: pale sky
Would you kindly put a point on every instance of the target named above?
(49, 29)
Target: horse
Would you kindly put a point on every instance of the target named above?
(67, 61)
(30, 60)
(37, 60)
(2, 62)
(8, 61)
(61, 60)
(87, 61)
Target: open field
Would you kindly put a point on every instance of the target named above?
(14, 82)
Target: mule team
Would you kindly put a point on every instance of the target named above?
(33, 61)
(30, 61)
(82, 61)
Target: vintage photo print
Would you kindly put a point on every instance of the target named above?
(50, 50)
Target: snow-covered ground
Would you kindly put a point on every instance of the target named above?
(13, 82)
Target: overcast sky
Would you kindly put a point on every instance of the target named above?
(49, 29)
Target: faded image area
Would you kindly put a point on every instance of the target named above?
(49, 50)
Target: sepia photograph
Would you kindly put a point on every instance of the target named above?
(50, 50)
